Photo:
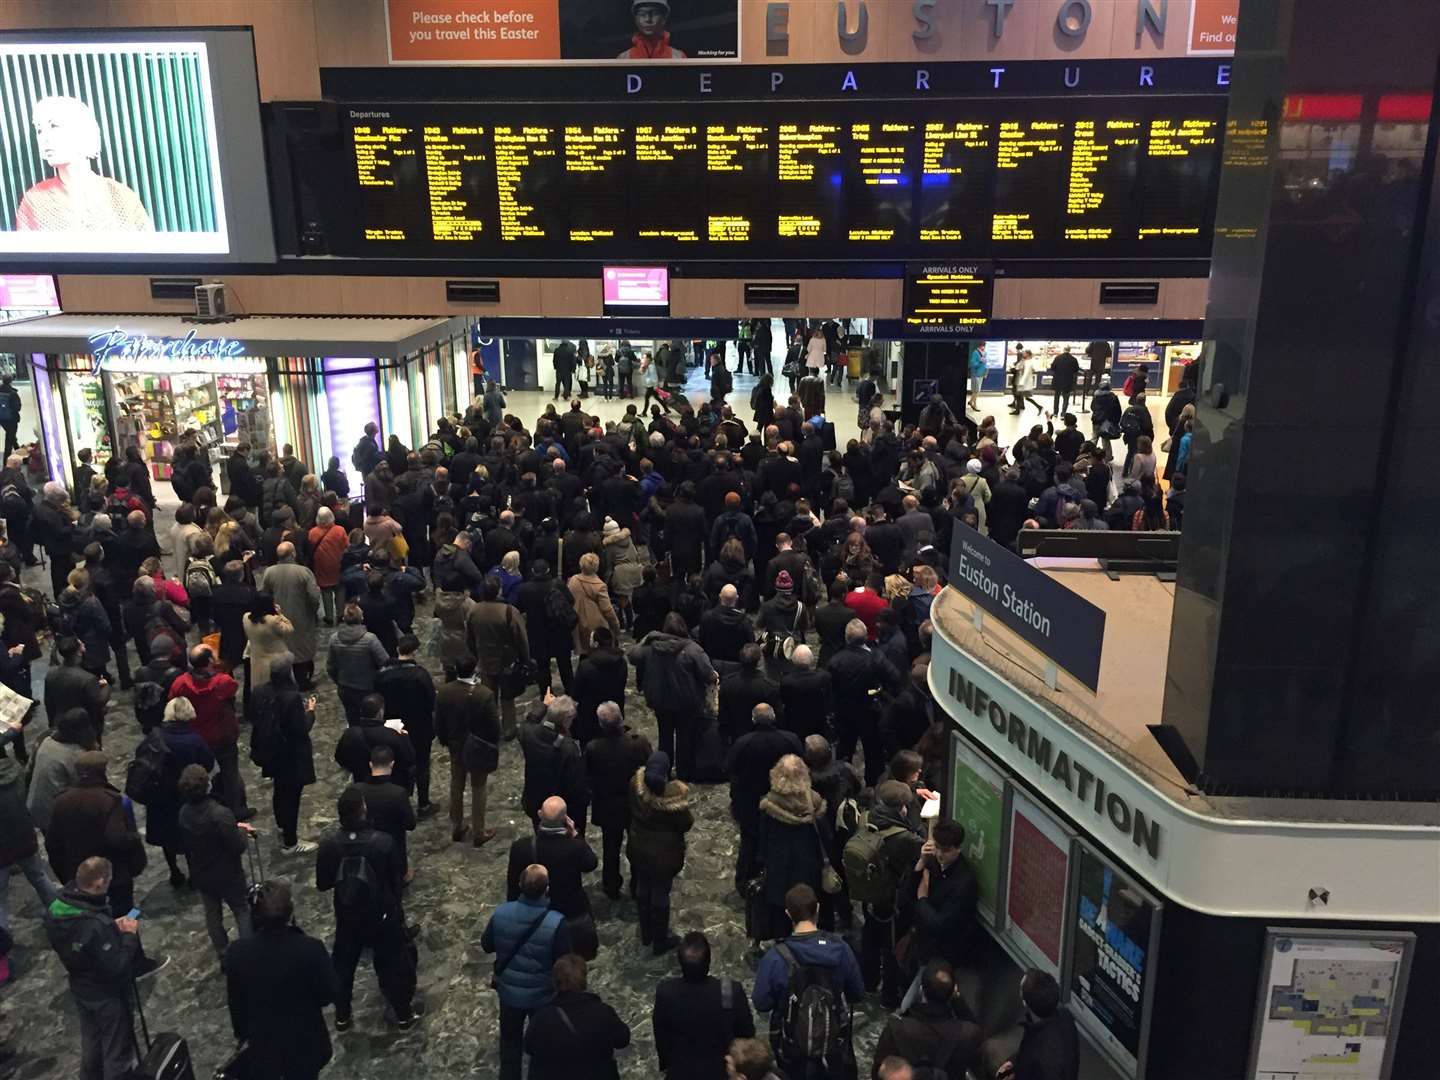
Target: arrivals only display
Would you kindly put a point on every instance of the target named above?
(864, 179)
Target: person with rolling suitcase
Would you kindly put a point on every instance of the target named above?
(99, 953)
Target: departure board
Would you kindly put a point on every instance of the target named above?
(948, 298)
(1015, 178)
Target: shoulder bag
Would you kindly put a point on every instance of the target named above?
(830, 883)
(501, 963)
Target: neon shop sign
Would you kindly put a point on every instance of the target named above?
(117, 348)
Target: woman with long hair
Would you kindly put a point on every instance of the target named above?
(267, 634)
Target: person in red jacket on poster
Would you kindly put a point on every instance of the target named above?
(652, 40)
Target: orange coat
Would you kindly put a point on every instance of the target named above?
(328, 545)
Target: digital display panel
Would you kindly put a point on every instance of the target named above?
(1091, 177)
(637, 286)
(948, 298)
(1039, 867)
(113, 146)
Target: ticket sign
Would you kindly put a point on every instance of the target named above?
(949, 298)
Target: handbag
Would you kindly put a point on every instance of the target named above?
(1109, 430)
(830, 883)
(1165, 446)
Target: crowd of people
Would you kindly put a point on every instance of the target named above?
(769, 592)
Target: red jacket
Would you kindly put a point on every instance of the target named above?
(326, 546)
(866, 605)
(213, 695)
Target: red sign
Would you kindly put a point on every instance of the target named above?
(1324, 108)
(1403, 109)
(1213, 24)
(1036, 900)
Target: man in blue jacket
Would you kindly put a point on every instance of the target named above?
(527, 936)
(808, 957)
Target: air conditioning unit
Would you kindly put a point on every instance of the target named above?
(472, 292)
(772, 294)
(210, 303)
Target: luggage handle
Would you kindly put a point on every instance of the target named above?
(139, 1011)
(255, 857)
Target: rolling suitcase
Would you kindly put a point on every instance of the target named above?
(167, 1057)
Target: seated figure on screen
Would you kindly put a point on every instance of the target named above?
(76, 198)
(652, 40)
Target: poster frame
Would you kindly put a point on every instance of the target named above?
(1262, 995)
(1025, 955)
(1094, 1030)
(982, 764)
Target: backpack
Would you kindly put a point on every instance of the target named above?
(358, 897)
(200, 577)
(12, 501)
(1034, 474)
(933, 1062)
(158, 626)
(869, 876)
(814, 1018)
(560, 607)
(145, 778)
(843, 487)
(784, 642)
(1130, 423)
(267, 739)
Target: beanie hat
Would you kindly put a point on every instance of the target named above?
(91, 765)
(657, 771)
(973, 466)
(611, 526)
(650, 3)
(784, 581)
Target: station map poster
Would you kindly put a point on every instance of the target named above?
(1329, 1004)
(977, 801)
(584, 31)
(1111, 962)
(1035, 890)
(109, 148)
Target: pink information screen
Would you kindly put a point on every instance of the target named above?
(637, 286)
(28, 291)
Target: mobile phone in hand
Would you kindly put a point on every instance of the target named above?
(133, 913)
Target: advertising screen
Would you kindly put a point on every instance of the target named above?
(637, 286)
(977, 801)
(1330, 1003)
(28, 291)
(1039, 869)
(1111, 965)
(112, 146)
(932, 180)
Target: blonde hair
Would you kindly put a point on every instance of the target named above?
(589, 563)
(510, 561)
(71, 112)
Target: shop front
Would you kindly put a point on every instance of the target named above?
(112, 382)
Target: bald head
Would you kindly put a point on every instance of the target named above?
(507, 518)
(534, 881)
(285, 552)
(729, 596)
(910, 502)
(135, 519)
(553, 811)
(802, 657)
(855, 632)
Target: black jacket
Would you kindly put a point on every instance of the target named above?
(352, 752)
(748, 766)
(96, 955)
(809, 701)
(546, 636)
(944, 920)
(601, 676)
(214, 845)
(281, 708)
(387, 805)
(554, 765)
(740, 692)
(465, 707)
(856, 672)
(278, 983)
(695, 1022)
(1049, 1049)
(1008, 509)
(610, 763)
(937, 1036)
(228, 605)
(830, 621)
(582, 1049)
(566, 858)
(377, 849)
(409, 694)
(724, 632)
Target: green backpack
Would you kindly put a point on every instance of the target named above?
(870, 878)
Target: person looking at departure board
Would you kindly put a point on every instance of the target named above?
(652, 39)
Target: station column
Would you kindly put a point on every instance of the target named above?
(1305, 647)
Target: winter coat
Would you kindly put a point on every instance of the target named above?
(297, 597)
(452, 611)
(658, 824)
(496, 632)
(748, 765)
(409, 694)
(266, 641)
(454, 569)
(465, 707)
(724, 631)
(526, 981)
(162, 812)
(621, 565)
(740, 692)
(326, 547)
(566, 858)
(355, 657)
(792, 836)
(610, 764)
(214, 845)
(554, 765)
(213, 695)
(602, 676)
(17, 828)
(575, 1038)
(83, 616)
(593, 610)
(674, 673)
(54, 771)
(358, 741)
(97, 957)
(279, 982)
(694, 1026)
(280, 710)
(92, 818)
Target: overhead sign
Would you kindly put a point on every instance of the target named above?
(527, 31)
(950, 299)
(28, 291)
(1066, 627)
(173, 354)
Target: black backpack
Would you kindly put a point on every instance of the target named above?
(560, 607)
(267, 737)
(814, 1019)
(1130, 422)
(359, 899)
(145, 778)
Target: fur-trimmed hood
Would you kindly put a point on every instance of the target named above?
(791, 800)
(675, 799)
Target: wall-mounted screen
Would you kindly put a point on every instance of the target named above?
(131, 145)
(977, 801)
(636, 290)
(865, 179)
(1039, 868)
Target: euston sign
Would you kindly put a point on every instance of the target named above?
(117, 344)
(1065, 627)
